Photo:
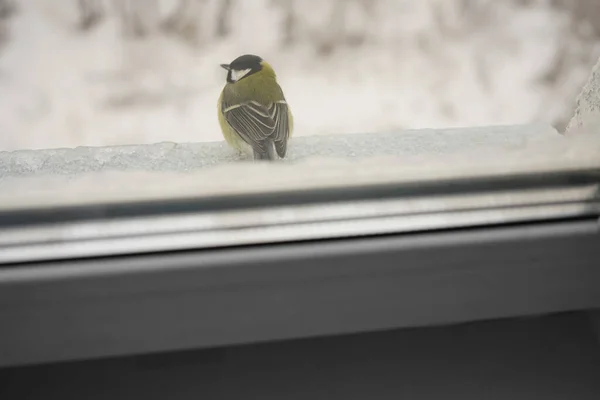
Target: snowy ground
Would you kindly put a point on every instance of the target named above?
(63, 88)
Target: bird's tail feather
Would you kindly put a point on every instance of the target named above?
(270, 154)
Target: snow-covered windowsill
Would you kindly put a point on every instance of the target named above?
(165, 169)
(172, 169)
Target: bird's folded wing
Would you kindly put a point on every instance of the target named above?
(279, 113)
(252, 121)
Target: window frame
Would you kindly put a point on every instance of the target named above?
(139, 304)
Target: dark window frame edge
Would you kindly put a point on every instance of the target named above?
(177, 301)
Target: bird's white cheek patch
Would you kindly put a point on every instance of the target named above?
(236, 75)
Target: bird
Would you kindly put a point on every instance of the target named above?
(254, 115)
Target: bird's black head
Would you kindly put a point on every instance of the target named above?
(242, 67)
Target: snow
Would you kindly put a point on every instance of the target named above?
(156, 181)
(587, 114)
(184, 157)
(63, 88)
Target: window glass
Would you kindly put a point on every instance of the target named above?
(366, 89)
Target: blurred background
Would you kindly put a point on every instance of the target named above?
(101, 72)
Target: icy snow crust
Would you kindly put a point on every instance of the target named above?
(587, 114)
(192, 156)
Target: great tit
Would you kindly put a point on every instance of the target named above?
(254, 116)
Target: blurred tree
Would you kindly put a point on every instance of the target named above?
(586, 16)
(7, 9)
(368, 11)
(223, 15)
(337, 33)
(584, 28)
(138, 17)
(91, 14)
(334, 32)
(475, 15)
(332, 35)
(449, 18)
(290, 22)
(570, 59)
(184, 22)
